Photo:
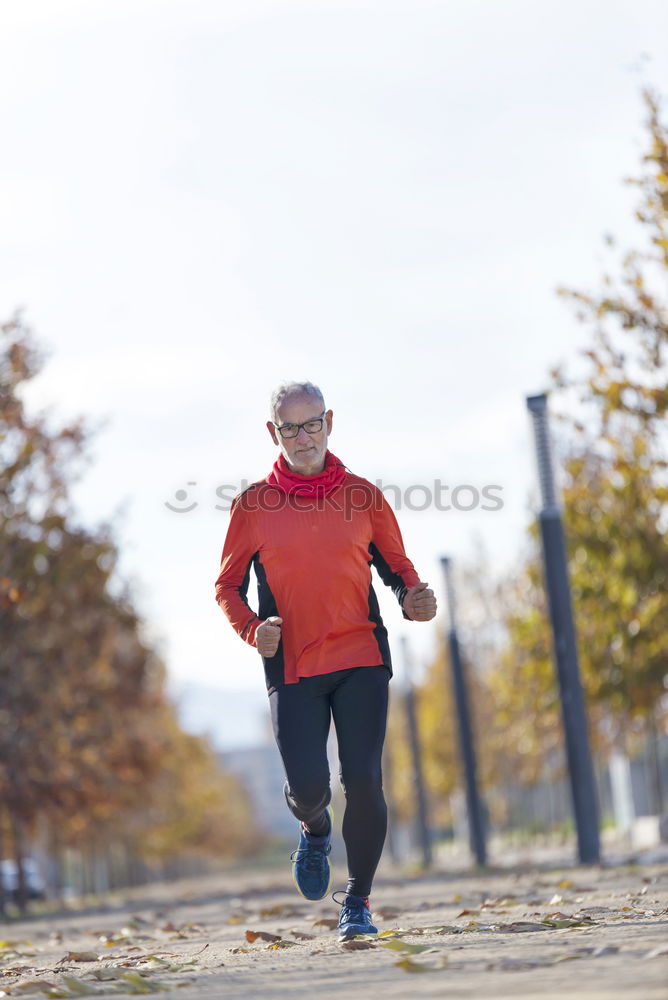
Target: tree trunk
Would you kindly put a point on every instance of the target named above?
(55, 862)
(19, 854)
(3, 894)
(654, 765)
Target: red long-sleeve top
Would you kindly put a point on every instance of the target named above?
(312, 558)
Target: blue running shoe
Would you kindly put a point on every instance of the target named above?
(355, 916)
(310, 863)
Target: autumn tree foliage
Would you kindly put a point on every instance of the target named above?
(90, 749)
(612, 445)
(612, 442)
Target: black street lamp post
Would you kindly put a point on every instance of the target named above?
(473, 804)
(581, 771)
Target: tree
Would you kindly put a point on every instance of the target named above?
(615, 498)
(89, 744)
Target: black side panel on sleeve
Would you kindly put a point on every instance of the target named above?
(274, 666)
(388, 576)
(379, 632)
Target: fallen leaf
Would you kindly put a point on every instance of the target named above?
(282, 944)
(139, 986)
(262, 935)
(521, 927)
(32, 986)
(329, 922)
(109, 972)
(355, 945)
(410, 965)
(567, 922)
(78, 988)
(397, 944)
(79, 956)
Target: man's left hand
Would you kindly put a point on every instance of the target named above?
(420, 603)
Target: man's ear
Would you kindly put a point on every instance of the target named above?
(272, 431)
(328, 420)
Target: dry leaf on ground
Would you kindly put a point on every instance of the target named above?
(261, 936)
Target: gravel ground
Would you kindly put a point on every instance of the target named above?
(590, 933)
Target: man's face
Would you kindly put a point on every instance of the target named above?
(305, 453)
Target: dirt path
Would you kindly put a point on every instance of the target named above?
(583, 933)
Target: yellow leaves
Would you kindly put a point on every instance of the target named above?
(410, 965)
(437, 959)
(136, 985)
(397, 944)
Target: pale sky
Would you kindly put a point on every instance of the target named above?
(201, 199)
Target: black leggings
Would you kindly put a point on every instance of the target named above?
(301, 713)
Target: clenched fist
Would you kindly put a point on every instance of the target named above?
(420, 603)
(268, 636)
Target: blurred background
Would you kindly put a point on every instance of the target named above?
(426, 210)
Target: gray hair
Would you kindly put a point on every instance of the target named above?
(293, 389)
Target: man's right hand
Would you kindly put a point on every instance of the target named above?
(268, 636)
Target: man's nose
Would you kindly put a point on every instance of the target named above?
(302, 436)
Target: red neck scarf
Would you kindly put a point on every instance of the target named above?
(320, 485)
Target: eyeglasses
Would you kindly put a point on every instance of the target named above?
(292, 430)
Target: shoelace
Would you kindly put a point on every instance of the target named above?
(312, 862)
(351, 908)
(351, 913)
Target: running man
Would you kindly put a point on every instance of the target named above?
(311, 530)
